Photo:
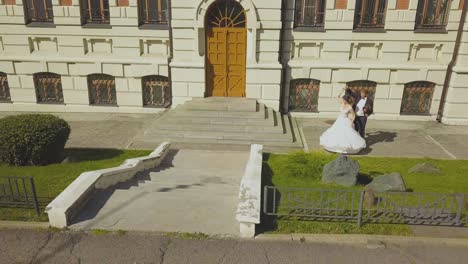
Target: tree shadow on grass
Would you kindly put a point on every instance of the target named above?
(90, 154)
(268, 222)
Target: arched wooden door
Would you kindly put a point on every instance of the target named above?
(226, 38)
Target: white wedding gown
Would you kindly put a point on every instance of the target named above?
(341, 136)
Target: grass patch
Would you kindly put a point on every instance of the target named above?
(300, 169)
(100, 232)
(52, 179)
(196, 236)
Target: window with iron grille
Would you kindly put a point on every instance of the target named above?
(38, 11)
(370, 14)
(4, 89)
(432, 14)
(309, 14)
(156, 91)
(363, 85)
(303, 95)
(417, 98)
(48, 87)
(153, 12)
(101, 88)
(95, 12)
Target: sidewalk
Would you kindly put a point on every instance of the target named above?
(28, 246)
(400, 138)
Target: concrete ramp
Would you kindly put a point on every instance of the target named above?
(192, 191)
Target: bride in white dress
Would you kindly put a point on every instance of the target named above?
(341, 136)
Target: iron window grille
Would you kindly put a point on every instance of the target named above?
(4, 88)
(48, 87)
(432, 14)
(156, 91)
(417, 98)
(38, 11)
(153, 12)
(309, 14)
(303, 95)
(370, 14)
(363, 85)
(95, 12)
(101, 88)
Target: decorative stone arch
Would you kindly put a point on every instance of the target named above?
(252, 25)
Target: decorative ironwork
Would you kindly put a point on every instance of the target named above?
(370, 13)
(432, 14)
(309, 13)
(38, 11)
(48, 87)
(18, 192)
(153, 11)
(303, 95)
(417, 97)
(4, 88)
(358, 86)
(226, 14)
(156, 91)
(366, 206)
(95, 12)
(101, 89)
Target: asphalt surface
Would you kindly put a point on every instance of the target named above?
(30, 246)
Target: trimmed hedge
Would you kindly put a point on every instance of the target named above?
(32, 139)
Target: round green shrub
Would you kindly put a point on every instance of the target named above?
(32, 139)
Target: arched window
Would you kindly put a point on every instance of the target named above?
(417, 98)
(4, 89)
(303, 95)
(101, 88)
(156, 91)
(370, 14)
(48, 87)
(226, 14)
(358, 86)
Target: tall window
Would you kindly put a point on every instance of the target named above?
(370, 14)
(153, 12)
(4, 88)
(156, 91)
(48, 87)
(309, 14)
(358, 86)
(417, 98)
(432, 14)
(101, 88)
(303, 95)
(94, 12)
(38, 11)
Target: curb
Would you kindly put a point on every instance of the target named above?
(24, 225)
(360, 239)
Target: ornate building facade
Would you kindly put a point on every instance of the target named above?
(291, 55)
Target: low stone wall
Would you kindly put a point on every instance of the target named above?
(248, 210)
(68, 203)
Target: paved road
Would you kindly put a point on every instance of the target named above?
(27, 246)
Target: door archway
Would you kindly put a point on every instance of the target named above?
(226, 48)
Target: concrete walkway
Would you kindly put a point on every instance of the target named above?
(193, 191)
(27, 246)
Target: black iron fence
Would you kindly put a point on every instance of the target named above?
(18, 192)
(366, 206)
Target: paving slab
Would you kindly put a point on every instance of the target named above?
(193, 191)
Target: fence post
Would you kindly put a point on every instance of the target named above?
(265, 196)
(361, 201)
(34, 196)
(461, 201)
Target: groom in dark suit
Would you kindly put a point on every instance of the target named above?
(363, 107)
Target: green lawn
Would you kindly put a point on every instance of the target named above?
(301, 169)
(52, 179)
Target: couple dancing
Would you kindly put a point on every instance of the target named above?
(346, 135)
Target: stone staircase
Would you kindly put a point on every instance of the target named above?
(226, 121)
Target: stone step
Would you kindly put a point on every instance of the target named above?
(187, 112)
(220, 128)
(170, 119)
(241, 136)
(222, 104)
